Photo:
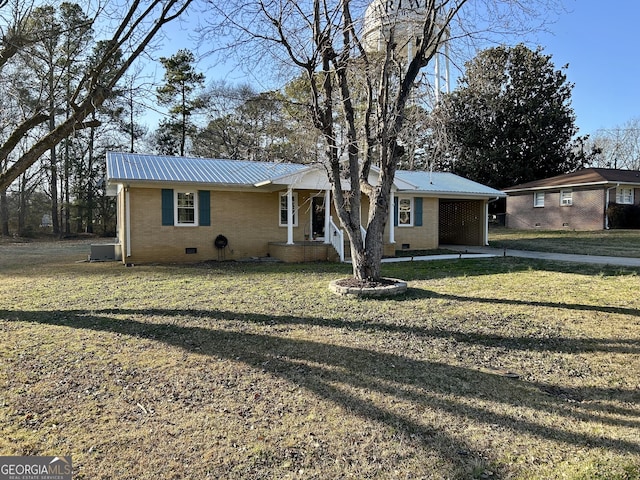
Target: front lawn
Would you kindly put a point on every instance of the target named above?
(489, 368)
(616, 243)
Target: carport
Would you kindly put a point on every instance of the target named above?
(462, 222)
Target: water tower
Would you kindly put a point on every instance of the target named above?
(406, 19)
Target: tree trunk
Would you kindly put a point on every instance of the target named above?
(183, 132)
(4, 213)
(22, 206)
(366, 262)
(55, 217)
(67, 195)
(90, 200)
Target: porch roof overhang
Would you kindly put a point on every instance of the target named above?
(313, 177)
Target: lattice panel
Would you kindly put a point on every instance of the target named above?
(460, 222)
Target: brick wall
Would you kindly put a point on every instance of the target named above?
(585, 213)
(250, 222)
(424, 237)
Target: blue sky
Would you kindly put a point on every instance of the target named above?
(599, 40)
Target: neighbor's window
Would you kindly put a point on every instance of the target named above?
(566, 197)
(405, 212)
(186, 205)
(283, 209)
(538, 199)
(624, 195)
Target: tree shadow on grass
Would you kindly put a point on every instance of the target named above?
(417, 293)
(341, 374)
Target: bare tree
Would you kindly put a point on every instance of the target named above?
(358, 87)
(617, 147)
(130, 33)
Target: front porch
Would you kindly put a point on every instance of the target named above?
(306, 251)
(316, 251)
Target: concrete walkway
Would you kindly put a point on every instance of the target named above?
(563, 257)
(452, 256)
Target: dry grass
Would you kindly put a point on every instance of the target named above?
(257, 371)
(617, 243)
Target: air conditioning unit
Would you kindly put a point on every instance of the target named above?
(106, 252)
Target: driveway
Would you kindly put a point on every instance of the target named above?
(563, 257)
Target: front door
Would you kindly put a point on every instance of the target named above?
(317, 217)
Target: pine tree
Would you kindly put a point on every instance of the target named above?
(178, 93)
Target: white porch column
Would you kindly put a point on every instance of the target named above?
(289, 216)
(327, 215)
(486, 222)
(392, 228)
(127, 221)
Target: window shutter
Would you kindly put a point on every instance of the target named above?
(395, 211)
(417, 205)
(204, 206)
(167, 206)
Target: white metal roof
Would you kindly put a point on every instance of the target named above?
(123, 167)
(444, 183)
(135, 167)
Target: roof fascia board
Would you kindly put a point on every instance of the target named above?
(223, 187)
(555, 187)
(178, 184)
(468, 196)
(448, 195)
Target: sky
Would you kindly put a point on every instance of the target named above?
(600, 42)
(597, 40)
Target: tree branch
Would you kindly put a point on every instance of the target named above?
(93, 83)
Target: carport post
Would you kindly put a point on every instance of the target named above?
(289, 216)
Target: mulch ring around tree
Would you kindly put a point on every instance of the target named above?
(383, 287)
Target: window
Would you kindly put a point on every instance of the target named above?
(283, 209)
(538, 199)
(624, 195)
(181, 208)
(186, 208)
(405, 212)
(566, 198)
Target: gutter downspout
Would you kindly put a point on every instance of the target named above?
(606, 205)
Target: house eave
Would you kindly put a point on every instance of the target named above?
(450, 195)
(606, 183)
(557, 187)
(166, 184)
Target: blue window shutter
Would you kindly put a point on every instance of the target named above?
(417, 205)
(204, 207)
(167, 206)
(395, 211)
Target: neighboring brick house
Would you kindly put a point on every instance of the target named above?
(177, 209)
(576, 201)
